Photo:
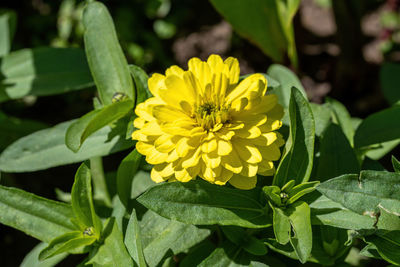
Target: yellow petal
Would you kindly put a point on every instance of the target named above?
(155, 157)
(269, 172)
(156, 176)
(232, 162)
(165, 170)
(224, 147)
(164, 143)
(211, 160)
(174, 70)
(156, 83)
(234, 70)
(192, 159)
(253, 86)
(246, 151)
(182, 147)
(243, 182)
(249, 170)
(209, 146)
(270, 152)
(223, 177)
(265, 139)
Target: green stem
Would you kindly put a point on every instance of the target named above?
(99, 181)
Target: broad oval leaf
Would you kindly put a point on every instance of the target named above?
(379, 127)
(342, 117)
(93, 121)
(46, 148)
(366, 192)
(336, 155)
(286, 79)
(32, 258)
(82, 200)
(160, 235)
(8, 21)
(38, 72)
(387, 245)
(201, 203)
(297, 163)
(107, 62)
(113, 250)
(264, 28)
(41, 218)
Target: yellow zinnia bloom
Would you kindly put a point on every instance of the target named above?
(203, 122)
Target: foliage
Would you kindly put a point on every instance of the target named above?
(326, 198)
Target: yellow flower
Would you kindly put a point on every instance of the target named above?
(202, 122)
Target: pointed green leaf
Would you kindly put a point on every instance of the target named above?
(125, 174)
(38, 72)
(32, 258)
(327, 212)
(243, 239)
(336, 155)
(341, 116)
(299, 216)
(46, 148)
(133, 241)
(41, 218)
(107, 62)
(379, 127)
(322, 117)
(8, 21)
(113, 250)
(297, 163)
(387, 245)
(264, 24)
(68, 242)
(300, 190)
(198, 202)
(287, 79)
(82, 200)
(396, 164)
(366, 192)
(160, 235)
(281, 224)
(93, 121)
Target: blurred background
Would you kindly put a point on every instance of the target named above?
(342, 49)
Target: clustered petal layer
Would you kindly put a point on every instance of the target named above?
(203, 122)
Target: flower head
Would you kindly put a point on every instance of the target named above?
(203, 122)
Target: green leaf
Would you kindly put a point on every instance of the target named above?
(8, 21)
(286, 250)
(377, 151)
(198, 202)
(133, 241)
(46, 148)
(93, 121)
(82, 200)
(336, 155)
(160, 235)
(366, 192)
(68, 242)
(281, 225)
(12, 128)
(229, 254)
(140, 78)
(299, 216)
(396, 164)
(341, 116)
(322, 117)
(329, 244)
(378, 128)
(327, 212)
(241, 238)
(107, 62)
(38, 72)
(297, 163)
(264, 29)
(387, 245)
(300, 190)
(125, 174)
(113, 250)
(389, 76)
(196, 254)
(36, 216)
(32, 258)
(287, 79)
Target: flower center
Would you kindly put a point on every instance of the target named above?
(209, 115)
